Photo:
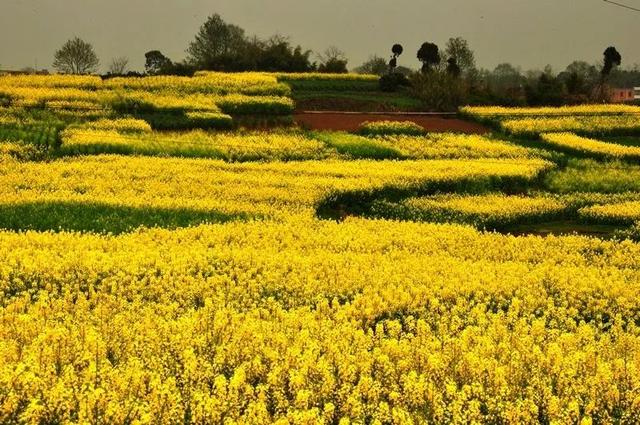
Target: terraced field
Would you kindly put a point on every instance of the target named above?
(163, 261)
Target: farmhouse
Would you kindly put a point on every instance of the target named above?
(622, 95)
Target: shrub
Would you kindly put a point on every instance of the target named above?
(188, 120)
(383, 128)
(392, 82)
(250, 105)
(438, 91)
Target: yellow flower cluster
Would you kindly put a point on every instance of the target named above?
(450, 145)
(239, 104)
(126, 125)
(617, 213)
(572, 142)
(432, 146)
(588, 175)
(73, 106)
(318, 322)
(135, 94)
(23, 96)
(279, 317)
(588, 125)
(483, 210)
(159, 101)
(51, 81)
(576, 110)
(249, 83)
(273, 189)
(102, 137)
(382, 128)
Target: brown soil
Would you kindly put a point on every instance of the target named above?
(351, 122)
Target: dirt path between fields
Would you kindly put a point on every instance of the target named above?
(340, 121)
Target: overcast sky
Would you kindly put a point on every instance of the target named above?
(528, 33)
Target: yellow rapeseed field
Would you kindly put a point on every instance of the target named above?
(589, 125)
(317, 322)
(482, 210)
(266, 189)
(576, 110)
(570, 141)
(297, 277)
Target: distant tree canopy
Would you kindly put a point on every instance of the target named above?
(277, 54)
(217, 45)
(374, 65)
(453, 68)
(333, 60)
(396, 50)
(611, 59)
(429, 55)
(76, 57)
(220, 46)
(458, 49)
(156, 63)
(548, 89)
(506, 75)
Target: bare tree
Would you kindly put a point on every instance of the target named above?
(333, 60)
(332, 53)
(119, 65)
(76, 57)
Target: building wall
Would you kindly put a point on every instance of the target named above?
(623, 95)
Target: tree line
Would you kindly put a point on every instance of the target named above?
(218, 46)
(449, 78)
(445, 78)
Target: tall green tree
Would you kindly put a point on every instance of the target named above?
(374, 65)
(76, 56)
(458, 48)
(156, 63)
(217, 45)
(333, 60)
(612, 58)
(429, 55)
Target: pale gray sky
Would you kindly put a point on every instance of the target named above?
(529, 33)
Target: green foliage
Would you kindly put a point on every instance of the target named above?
(631, 233)
(221, 46)
(429, 55)
(375, 65)
(386, 128)
(217, 44)
(256, 105)
(458, 49)
(392, 82)
(331, 83)
(612, 58)
(333, 61)
(356, 147)
(584, 175)
(439, 91)
(187, 121)
(547, 90)
(96, 217)
(43, 134)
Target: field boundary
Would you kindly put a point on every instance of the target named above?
(428, 114)
(437, 122)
